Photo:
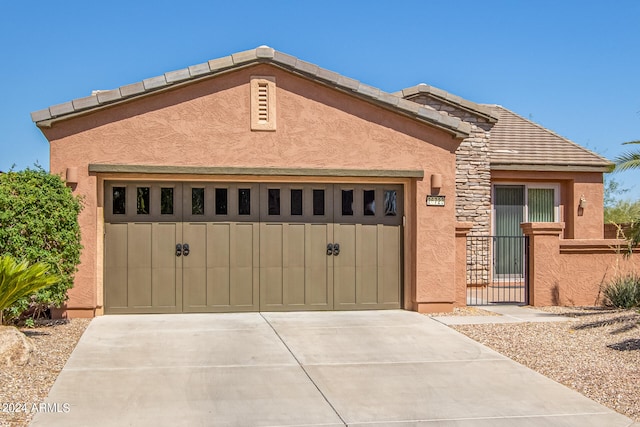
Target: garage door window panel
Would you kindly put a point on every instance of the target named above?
(143, 200)
(119, 200)
(221, 201)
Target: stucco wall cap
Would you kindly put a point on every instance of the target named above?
(463, 228)
(542, 228)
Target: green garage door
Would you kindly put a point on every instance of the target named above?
(216, 247)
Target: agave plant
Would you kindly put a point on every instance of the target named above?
(19, 279)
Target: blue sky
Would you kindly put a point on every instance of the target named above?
(572, 66)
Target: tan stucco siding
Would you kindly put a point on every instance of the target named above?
(584, 223)
(207, 123)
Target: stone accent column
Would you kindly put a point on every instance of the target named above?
(462, 230)
(544, 251)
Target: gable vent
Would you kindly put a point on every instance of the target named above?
(263, 103)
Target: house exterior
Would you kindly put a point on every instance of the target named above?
(261, 182)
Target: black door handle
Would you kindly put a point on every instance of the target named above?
(336, 249)
(185, 249)
(178, 249)
(329, 249)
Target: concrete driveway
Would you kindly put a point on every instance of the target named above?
(283, 369)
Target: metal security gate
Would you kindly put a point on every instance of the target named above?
(497, 270)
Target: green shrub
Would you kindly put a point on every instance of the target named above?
(39, 223)
(623, 292)
(21, 280)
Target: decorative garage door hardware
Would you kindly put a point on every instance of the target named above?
(182, 249)
(333, 249)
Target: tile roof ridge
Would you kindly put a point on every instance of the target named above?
(447, 97)
(261, 54)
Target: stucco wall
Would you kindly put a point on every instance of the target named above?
(572, 272)
(580, 223)
(207, 123)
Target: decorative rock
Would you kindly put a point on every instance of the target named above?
(15, 347)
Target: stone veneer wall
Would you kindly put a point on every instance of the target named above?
(473, 185)
(473, 174)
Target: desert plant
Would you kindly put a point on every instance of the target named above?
(623, 292)
(19, 280)
(39, 223)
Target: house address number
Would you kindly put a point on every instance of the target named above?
(435, 200)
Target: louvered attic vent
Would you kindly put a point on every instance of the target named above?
(263, 103)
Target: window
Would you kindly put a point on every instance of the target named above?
(514, 204)
(274, 201)
(296, 202)
(347, 202)
(390, 203)
(166, 201)
(244, 201)
(221, 201)
(119, 200)
(369, 202)
(318, 202)
(143, 201)
(197, 201)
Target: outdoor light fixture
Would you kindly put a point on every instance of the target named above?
(583, 202)
(72, 175)
(436, 181)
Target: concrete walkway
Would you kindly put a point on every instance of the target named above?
(395, 368)
(505, 314)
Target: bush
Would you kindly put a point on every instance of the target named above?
(623, 292)
(39, 223)
(19, 280)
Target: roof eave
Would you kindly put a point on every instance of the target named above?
(449, 99)
(602, 168)
(216, 67)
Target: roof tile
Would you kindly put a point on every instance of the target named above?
(371, 91)
(177, 76)
(307, 67)
(40, 115)
(105, 96)
(246, 56)
(265, 52)
(87, 102)
(515, 140)
(199, 69)
(328, 75)
(132, 89)
(250, 56)
(60, 109)
(283, 58)
(220, 63)
(348, 82)
(154, 82)
(389, 98)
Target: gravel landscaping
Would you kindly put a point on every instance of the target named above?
(598, 355)
(24, 386)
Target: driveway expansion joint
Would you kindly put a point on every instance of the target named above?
(304, 370)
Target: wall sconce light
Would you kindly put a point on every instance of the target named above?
(436, 182)
(583, 202)
(72, 176)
